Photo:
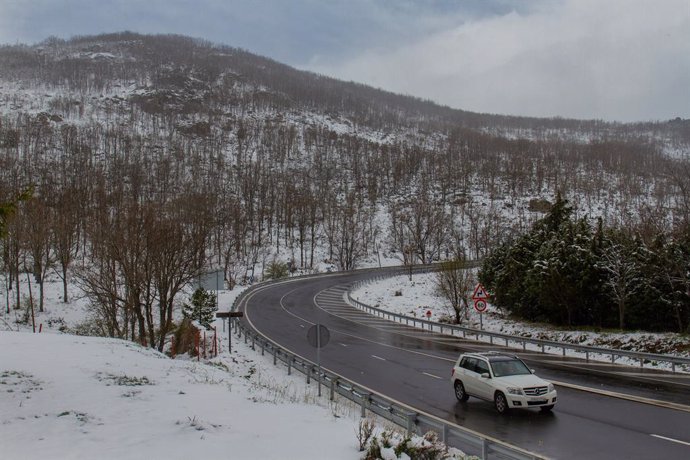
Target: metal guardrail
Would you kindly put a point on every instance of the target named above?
(413, 422)
(544, 345)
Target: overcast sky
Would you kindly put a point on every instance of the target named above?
(624, 60)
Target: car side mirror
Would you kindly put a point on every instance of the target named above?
(485, 375)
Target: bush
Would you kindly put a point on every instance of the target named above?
(185, 337)
(276, 270)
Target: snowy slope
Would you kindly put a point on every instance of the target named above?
(64, 396)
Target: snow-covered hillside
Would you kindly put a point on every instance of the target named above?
(64, 396)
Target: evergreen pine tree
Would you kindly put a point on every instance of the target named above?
(202, 307)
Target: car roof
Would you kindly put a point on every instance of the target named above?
(492, 356)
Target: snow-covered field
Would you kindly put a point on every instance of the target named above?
(419, 295)
(66, 396)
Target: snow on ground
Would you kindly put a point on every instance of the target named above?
(418, 295)
(67, 396)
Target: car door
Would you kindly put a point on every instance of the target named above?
(470, 376)
(484, 388)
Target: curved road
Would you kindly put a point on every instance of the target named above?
(604, 411)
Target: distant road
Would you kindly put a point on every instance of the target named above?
(413, 367)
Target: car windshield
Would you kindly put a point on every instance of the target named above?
(509, 367)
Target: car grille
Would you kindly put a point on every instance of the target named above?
(536, 391)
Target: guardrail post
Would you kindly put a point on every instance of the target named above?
(309, 370)
(253, 341)
(275, 356)
(586, 356)
(524, 346)
(444, 433)
(334, 383)
(613, 358)
(411, 418)
(263, 347)
(365, 401)
(289, 363)
(485, 448)
(673, 367)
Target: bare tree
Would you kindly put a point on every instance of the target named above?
(37, 218)
(455, 281)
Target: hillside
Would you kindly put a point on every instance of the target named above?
(151, 158)
(74, 397)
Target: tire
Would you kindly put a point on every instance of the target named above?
(460, 391)
(501, 403)
(546, 408)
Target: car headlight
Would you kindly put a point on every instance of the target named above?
(514, 391)
(551, 387)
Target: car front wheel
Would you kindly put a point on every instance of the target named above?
(460, 392)
(501, 403)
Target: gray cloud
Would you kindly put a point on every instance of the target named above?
(623, 60)
(616, 59)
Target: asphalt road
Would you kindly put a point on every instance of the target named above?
(413, 367)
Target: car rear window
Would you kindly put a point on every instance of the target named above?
(469, 363)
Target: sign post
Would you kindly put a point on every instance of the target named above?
(318, 337)
(229, 315)
(480, 297)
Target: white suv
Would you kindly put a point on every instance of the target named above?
(504, 379)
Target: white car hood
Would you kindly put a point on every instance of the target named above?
(522, 381)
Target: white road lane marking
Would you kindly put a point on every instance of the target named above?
(343, 345)
(378, 357)
(670, 439)
(432, 375)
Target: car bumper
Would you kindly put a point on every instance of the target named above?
(525, 402)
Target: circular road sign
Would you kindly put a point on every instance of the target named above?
(318, 336)
(480, 305)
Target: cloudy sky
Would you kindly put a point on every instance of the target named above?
(624, 60)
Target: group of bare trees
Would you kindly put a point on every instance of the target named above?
(224, 159)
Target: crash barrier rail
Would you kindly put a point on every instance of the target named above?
(414, 422)
(544, 345)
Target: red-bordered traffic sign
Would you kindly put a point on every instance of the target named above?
(428, 313)
(480, 305)
(480, 293)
